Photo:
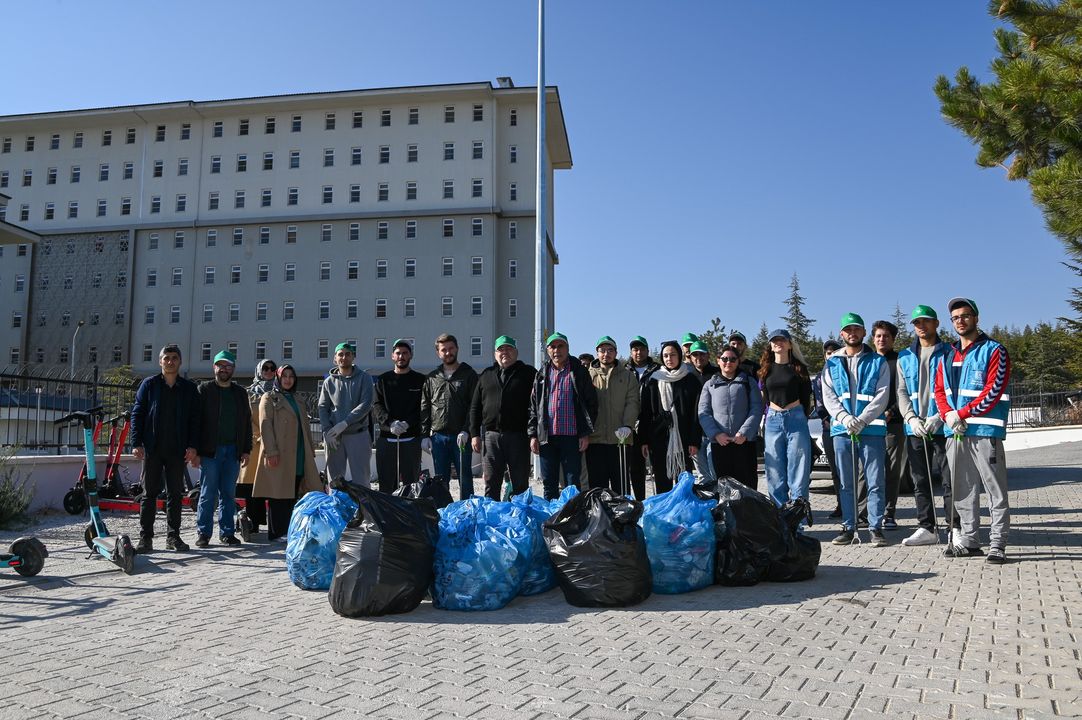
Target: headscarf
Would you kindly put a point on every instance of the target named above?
(260, 386)
(674, 453)
(278, 379)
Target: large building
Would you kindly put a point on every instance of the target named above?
(277, 226)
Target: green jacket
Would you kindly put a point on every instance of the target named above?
(445, 403)
(617, 401)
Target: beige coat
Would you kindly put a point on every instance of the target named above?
(247, 473)
(278, 428)
(617, 401)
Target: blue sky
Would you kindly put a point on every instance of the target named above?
(718, 146)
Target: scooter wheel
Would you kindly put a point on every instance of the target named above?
(89, 535)
(32, 553)
(75, 502)
(125, 555)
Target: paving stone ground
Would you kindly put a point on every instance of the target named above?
(899, 632)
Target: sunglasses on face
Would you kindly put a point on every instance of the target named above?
(728, 359)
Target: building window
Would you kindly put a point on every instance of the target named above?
(326, 232)
(448, 228)
(288, 308)
(217, 131)
(264, 236)
(122, 279)
(174, 314)
(24, 213)
(159, 134)
(268, 128)
(381, 308)
(231, 347)
(212, 238)
(353, 270)
(208, 275)
(410, 307)
(358, 118)
(4, 176)
(238, 199)
(263, 273)
(242, 127)
(152, 277)
(478, 150)
(512, 308)
(291, 235)
(380, 349)
(512, 269)
(411, 190)
(293, 196)
(477, 187)
(475, 305)
(513, 192)
(148, 352)
(477, 266)
(477, 226)
(351, 309)
(182, 166)
(411, 229)
(294, 159)
(152, 241)
(50, 176)
(411, 153)
(213, 200)
(77, 140)
(448, 267)
(103, 172)
(129, 170)
(215, 164)
(449, 113)
(448, 189)
(106, 138)
(28, 178)
(475, 347)
(478, 113)
(381, 269)
(384, 154)
(234, 275)
(50, 211)
(383, 192)
(381, 230)
(30, 143)
(414, 116)
(118, 354)
(354, 193)
(178, 240)
(268, 161)
(512, 154)
(186, 131)
(287, 349)
(447, 306)
(328, 121)
(73, 210)
(261, 311)
(159, 168)
(354, 232)
(328, 157)
(16, 319)
(6, 148)
(148, 315)
(208, 313)
(355, 156)
(328, 194)
(261, 349)
(20, 283)
(234, 312)
(324, 270)
(182, 203)
(242, 162)
(265, 197)
(118, 317)
(324, 309)
(76, 173)
(512, 230)
(410, 267)
(155, 204)
(323, 349)
(295, 126)
(238, 236)
(513, 117)
(448, 151)
(384, 118)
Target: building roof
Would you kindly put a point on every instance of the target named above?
(15, 235)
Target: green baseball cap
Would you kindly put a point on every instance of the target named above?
(688, 338)
(505, 340)
(225, 356)
(922, 311)
(605, 340)
(851, 319)
(345, 346)
(699, 346)
(554, 337)
(956, 301)
(639, 340)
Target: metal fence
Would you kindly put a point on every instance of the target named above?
(1033, 406)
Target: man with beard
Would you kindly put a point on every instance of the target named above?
(643, 366)
(397, 407)
(445, 414)
(345, 404)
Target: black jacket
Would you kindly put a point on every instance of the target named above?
(146, 424)
(894, 417)
(655, 423)
(398, 397)
(210, 397)
(502, 406)
(585, 399)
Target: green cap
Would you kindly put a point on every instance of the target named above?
(554, 337)
(699, 346)
(605, 340)
(922, 311)
(345, 346)
(956, 301)
(505, 340)
(851, 319)
(404, 342)
(688, 338)
(225, 356)
(639, 340)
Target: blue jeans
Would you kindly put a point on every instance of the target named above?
(218, 480)
(445, 452)
(872, 454)
(704, 461)
(560, 450)
(787, 455)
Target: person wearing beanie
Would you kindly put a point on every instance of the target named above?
(617, 410)
(345, 405)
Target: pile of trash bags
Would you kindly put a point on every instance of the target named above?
(312, 542)
(435, 488)
(680, 542)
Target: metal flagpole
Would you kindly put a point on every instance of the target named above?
(540, 313)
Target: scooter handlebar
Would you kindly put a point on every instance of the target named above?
(85, 417)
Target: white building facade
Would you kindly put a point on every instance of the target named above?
(280, 226)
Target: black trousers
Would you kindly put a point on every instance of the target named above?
(161, 471)
(255, 508)
(922, 488)
(603, 466)
(281, 511)
(828, 448)
(662, 482)
(732, 461)
(636, 468)
(895, 465)
(507, 452)
(388, 455)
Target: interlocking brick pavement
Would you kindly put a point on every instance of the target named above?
(899, 632)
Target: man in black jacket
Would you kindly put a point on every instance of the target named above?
(501, 407)
(397, 408)
(164, 435)
(445, 414)
(225, 442)
(563, 408)
(643, 366)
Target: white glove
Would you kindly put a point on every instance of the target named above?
(852, 424)
(463, 440)
(956, 423)
(399, 427)
(426, 445)
(339, 428)
(933, 424)
(917, 426)
(623, 433)
(330, 440)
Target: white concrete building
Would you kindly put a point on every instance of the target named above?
(16, 251)
(281, 225)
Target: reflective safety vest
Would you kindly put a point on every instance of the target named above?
(971, 371)
(854, 400)
(909, 367)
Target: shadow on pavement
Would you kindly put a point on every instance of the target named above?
(47, 608)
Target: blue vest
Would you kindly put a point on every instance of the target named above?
(971, 371)
(909, 368)
(868, 368)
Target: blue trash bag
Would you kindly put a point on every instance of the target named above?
(314, 529)
(680, 543)
(541, 575)
(482, 555)
(565, 495)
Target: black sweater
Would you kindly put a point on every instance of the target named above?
(654, 422)
(211, 396)
(398, 397)
(501, 402)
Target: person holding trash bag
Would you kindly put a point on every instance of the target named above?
(617, 410)
(669, 418)
(730, 410)
(640, 363)
(345, 404)
(787, 396)
(855, 388)
(445, 415)
(563, 408)
(971, 394)
(397, 408)
(287, 461)
(262, 383)
(501, 406)
(917, 368)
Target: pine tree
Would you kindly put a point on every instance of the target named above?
(1028, 120)
(759, 344)
(905, 334)
(714, 338)
(798, 323)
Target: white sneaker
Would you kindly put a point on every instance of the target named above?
(920, 536)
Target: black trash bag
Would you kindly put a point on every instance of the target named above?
(801, 553)
(384, 561)
(435, 488)
(748, 534)
(599, 551)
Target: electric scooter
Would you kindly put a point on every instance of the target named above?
(117, 550)
(26, 556)
(75, 499)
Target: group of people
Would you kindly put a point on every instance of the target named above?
(933, 404)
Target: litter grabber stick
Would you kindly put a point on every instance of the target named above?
(853, 440)
(931, 490)
(623, 433)
(956, 445)
(462, 467)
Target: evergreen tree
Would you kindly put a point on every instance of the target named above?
(905, 331)
(714, 338)
(1028, 120)
(798, 323)
(759, 343)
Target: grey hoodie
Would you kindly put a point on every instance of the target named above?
(878, 403)
(348, 398)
